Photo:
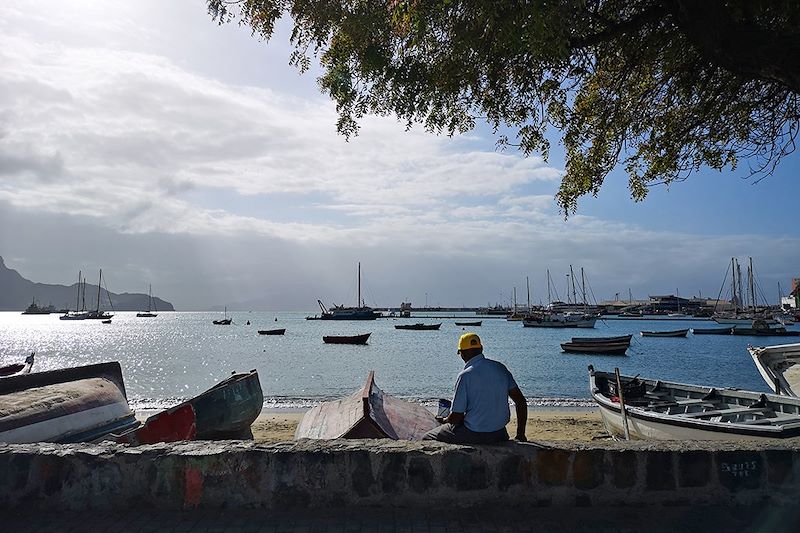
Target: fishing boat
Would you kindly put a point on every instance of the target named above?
(272, 331)
(368, 413)
(712, 331)
(662, 410)
(559, 320)
(603, 348)
(472, 324)
(79, 404)
(419, 326)
(34, 309)
(600, 340)
(151, 306)
(172, 425)
(223, 321)
(764, 332)
(226, 410)
(670, 333)
(17, 369)
(778, 365)
(341, 312)
(346, 339)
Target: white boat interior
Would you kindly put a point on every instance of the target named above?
(664, 410)
(779, 367)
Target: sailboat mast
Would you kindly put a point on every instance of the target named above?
(528, 285)
(99, 282)
(583, 287)
(149, 297)
(78, 297)
(752, 284)
(733, 287)
(515, 299)
(359, 285)
(572, 277)
(549, 300)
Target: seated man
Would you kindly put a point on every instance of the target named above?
(479, 412)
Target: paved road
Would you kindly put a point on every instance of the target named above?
(588, 520)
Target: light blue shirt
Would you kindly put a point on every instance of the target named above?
(482, 394)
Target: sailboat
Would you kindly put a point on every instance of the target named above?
(739, 316)
(562, 317)
(223, 321)
(340, 312)
(79, 313)
(97, 314)
(151, 306)
(515, 315)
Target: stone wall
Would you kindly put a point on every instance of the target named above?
(388, 473)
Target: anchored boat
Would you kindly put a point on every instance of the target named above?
(346, 339)
(272, 331)
(663, 410)
(672, 333)
(368, 413)
(419, 326)
(474, 324)
(778, 365)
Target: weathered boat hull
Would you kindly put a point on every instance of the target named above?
(346, 339)
(227, 409)
(69, 405)
(18, 369)
(366, 414)
(173, 425)
(419, 327)
(712, 331)
(693, 413)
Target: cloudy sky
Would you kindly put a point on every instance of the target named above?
(143, 138)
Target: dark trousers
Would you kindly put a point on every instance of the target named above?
(461, 435)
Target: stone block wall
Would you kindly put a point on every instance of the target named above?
(296, 475)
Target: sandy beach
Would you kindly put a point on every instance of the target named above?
(551, 424)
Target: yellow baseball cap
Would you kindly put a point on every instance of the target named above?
(469, 340)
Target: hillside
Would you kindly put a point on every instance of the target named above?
(17, 292)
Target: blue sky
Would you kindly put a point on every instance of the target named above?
(143, 138)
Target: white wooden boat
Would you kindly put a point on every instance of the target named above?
(671, 333)
(78, 404)
(602, 348)
(779, 367)
(663, 410)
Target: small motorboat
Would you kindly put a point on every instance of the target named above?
(712, 331)
(17, 369)
(368, 413)
(602, 348)
(80, 404)
(106, 321)
(671, 333)
(779, 367)
(346, 339)
(222, 322)
(662, 410)
(272, 331)
(474, 324)
(419, 326)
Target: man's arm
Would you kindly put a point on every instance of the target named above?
(453, 418)
(522, 412)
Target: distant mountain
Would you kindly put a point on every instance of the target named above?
(16, 293)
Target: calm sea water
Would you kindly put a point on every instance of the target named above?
(178, 355)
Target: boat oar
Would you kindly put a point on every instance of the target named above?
(622, 406)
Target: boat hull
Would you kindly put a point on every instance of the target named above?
(598, 349)
(342, 339)
(69, 405)
(712, 331)
(367, 413)
(271, 331)
(779, 367)
(473, 324)
(676, 333)
(419, 327)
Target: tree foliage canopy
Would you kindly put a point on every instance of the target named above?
(662, 86)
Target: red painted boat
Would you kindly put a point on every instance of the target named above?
(368, 413)
(346, 339)
(172, 425)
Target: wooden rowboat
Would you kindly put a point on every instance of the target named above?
(17, 369)
(476, 324)
(272, 331)
(779, 367)
(346, 339)
(600, 340)
(712, 331)
(662, 410)
(368, 413)
(672, 333)
(78, 404)
(602, 348)
(419, 326)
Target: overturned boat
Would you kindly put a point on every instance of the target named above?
(663, 410)
(78, 404)
(368, 413)
(779, 367)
